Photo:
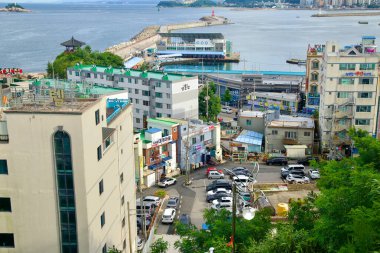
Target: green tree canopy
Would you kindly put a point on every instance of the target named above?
(214, 106)
(82, 55)
(159, 246)
(227, 97)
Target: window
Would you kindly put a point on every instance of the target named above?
(136, 81)
(248, 122)
(366, 80)
(137, 110)
(168, 106)
(146, 103)
(136, 91)
(121, 79)
(137, 101)
(124, 244)
(364, 94)
(102, 219)
(169, 115)
(164, 148)
(129, 80)
(7, 240)
(95, 75)
(158, 95)
(363, 108)
(314, 76)
(88, 75)
(104, 249)
(367, 66)
(307, 134)
(166, 132)
(158, 105)
(167, 95)
(129, 90)
(146, 113)
(138, 120)
(99, 152)
(194, 140)
(101, 187)
(146, 93)
(108, 141)
(362, 122)
(97, 117)
(123, 222)
(346, 81)
(3, 167)
(76, 73)
(5, 205)
(122, 200)
(343, 95)
(291, 135)
(315, 65)
(158, 84)
(168, 85)
(158, 115)
(202, 137)
(101, 76)
(121, 178)
(274, 132)
(347, 66)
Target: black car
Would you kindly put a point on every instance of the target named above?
(219, 183)
(284, 174)
(238, 171)
(210, 198)
(185, 219)
(277, 161)
(307, 160)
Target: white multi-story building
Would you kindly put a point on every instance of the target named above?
(154, 94)
(67, 174)
(349, 91)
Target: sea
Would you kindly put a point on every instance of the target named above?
(264, 38)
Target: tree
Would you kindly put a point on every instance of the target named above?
(214, 106)
(159, 246)
(82, 55)
(227, 96)
(113, 250)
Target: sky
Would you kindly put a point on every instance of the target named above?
(59, 1)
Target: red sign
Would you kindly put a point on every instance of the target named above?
(12, 71)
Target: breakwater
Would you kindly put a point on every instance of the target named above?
(347, 14)
(149, 36)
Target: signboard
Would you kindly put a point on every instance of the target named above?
(203, 43)
(57, 95)
(11, 71)
(359, 73)
(162, 141)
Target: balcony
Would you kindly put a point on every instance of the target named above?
(314, 95)
(338, 140)
(114, 108)
(344, 114)
(289, 141)
(340, 128)
(4, 137)
(345, 101)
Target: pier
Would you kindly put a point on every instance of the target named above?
(149, 36)
(346, 14)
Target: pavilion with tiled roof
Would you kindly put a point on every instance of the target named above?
(72, 44)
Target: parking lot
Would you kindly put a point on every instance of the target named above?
(193, 197)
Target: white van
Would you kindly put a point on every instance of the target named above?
(215, 175)
(241, 180)
(291, 167)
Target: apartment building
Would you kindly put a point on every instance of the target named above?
(67, 176)
(349, 91)
(153, 94)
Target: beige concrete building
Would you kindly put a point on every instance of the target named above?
(289, 130)
(67, 175)
(349, 88)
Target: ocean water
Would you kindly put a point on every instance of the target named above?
(264, 38)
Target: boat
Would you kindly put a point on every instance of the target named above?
(296, 61)
(363, 22)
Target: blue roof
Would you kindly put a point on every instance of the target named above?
(189, 52)
(369, 37)
(153, 130)
(132, 62)
(250, 137)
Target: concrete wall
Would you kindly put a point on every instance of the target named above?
(257, 124)
(276, 141)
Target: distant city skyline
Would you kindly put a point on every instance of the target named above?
(72, 1)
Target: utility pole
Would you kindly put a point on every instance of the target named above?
(233, 216)
(207, 99)
(129, 227)
(187, 153)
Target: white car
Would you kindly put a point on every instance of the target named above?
(140, 243)
(218, 190)
(314, 174)
(226, 109)
(215, 175)
(166, 182)
(291, 167)
(168, 216)
(152, 199)
(298, 179)
(223, 202)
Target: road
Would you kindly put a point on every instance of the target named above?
(192, 198)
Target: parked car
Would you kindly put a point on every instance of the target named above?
(152, 199)
(139, 223)
(223, 202)
(246, 196)
(236, 170)
(226, 109)
(210, 198)
(165, 182)
(291, 167)
(168, 216)
(218, 190)
(294, 178)
(185, 219)
(213, 169)
(219, 183)
(215, 175)
(140, 243)
(173, 202)
(277, 161)
(285, 173)
(241, 180)
(314, 174)
(306, 161)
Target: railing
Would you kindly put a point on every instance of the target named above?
(345, 101)
(344, 114)
(116, 112)
(339, 128)
(290, 141)
(314, 95)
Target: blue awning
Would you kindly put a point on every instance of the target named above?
(205, 226)
(166, 158)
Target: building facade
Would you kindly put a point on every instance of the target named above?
(285, 102)
(153, 94)
(67, 174)
(349, 92)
